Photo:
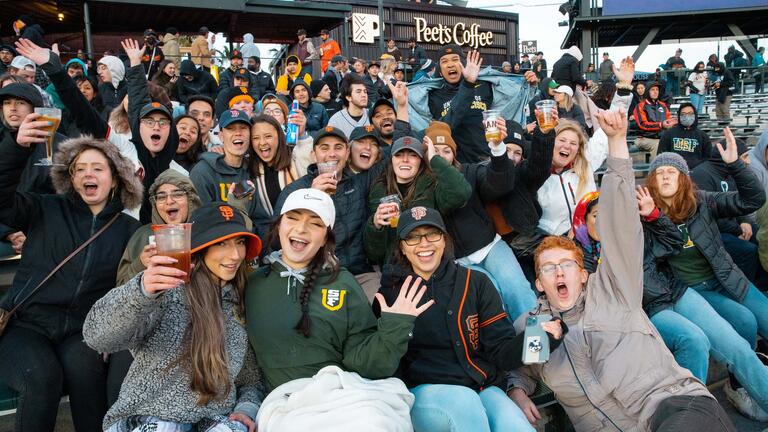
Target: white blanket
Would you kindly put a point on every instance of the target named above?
(338, 401)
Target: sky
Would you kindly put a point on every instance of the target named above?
(539, 18)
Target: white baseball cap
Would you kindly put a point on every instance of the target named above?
(21, 62)
(313, 200)
(565, 89)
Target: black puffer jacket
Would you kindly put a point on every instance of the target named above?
(203, 83)
(520, 208)
(470, 226)
(56, 225)
(351, 202)
(566, 71)
(702, 225)
(661, 289)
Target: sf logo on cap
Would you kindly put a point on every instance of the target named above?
(244, 90)
(155, 105)
(226, 212)
(418, 212)
(369, 128)
(329, 128)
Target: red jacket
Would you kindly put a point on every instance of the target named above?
(649, 117)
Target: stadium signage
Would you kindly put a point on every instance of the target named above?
(459, 34)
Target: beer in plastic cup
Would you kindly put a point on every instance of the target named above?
(175, 241)
(53, 116)
(328, 168)
(394, 199)
(544, 113)
(492, 132)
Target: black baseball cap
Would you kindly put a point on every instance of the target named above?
(417, 217)
(22, 91)
(408, 143)
(449, 49)
(233, 116)
(337, 58)
(379, 103)
(217, 221)
(9, 48)
(324, 31)
(154, 107)
(236, 54)
(361, 132)
(243, 73)
(330, 131)
(374, 62)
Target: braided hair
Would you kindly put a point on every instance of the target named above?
(326, 255)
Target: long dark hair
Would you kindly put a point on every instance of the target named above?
(604, 94)
(282, 159)
(389, 180)
(204, 340)
(189, 158)
(325, 256)
(163, 80)
(97, 102)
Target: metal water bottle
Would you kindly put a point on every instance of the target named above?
(292, 130)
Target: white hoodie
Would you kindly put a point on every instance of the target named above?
(249, 49)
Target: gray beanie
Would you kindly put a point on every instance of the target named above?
(670, 159)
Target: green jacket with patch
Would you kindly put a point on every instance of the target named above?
(344, 330)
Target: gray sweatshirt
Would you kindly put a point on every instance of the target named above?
(153, 329)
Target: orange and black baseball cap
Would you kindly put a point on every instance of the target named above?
(217, 221)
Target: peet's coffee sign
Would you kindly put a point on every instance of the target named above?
(459, 34)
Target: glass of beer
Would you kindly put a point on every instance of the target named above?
(395, 201)
(53, 116)
(544, 114)
(175, 241)
(492, 132)
(328, 168)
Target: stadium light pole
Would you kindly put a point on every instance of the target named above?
(88, 37)
(381, 25)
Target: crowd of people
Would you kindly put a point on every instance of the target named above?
(367, 253)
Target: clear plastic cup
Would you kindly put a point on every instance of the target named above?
(544, 113)
(395, 200)
(492, 132)
(52, 115)
(175, 241)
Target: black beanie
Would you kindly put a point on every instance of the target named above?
(449, 49)
(316, 86)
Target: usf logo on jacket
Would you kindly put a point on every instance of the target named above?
(333, 299)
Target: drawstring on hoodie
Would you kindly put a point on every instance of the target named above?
(293, 275)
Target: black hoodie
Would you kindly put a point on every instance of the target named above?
(713, 176)
(689, 142)
(203, 83)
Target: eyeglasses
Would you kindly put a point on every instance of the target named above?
(565, 266)
(150, 122)
(432, 237)
(273, 112)
(162, 197)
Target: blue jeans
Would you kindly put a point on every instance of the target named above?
(732, 330)
(452, 408)
(686, 340)
(744, 253)
(507, 276)
(698, 102)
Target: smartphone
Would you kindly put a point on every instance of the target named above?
(243, 190)
(536, 348)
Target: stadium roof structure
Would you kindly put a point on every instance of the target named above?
(619, 23)
(264, 18)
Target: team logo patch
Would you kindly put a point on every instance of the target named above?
(440, 139)
(329, 128)
(407, 141)
(333, 299)
(226, 212)
(473, 329)
(418, 212)
(369, 128)
(155, 104)
(234, 113)
(244, 90)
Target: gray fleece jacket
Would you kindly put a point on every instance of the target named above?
(153, 329)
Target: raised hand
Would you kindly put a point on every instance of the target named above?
(55, 49)
(430, 146)
(159, 276)
(549, 126)
(472, 69)
(645, 203)
(31, 132)
(133, 51)
(28, 49)
(384, 212)
(244, 419)
(531, 77)
(299, 119)
(399, 93)
(626, 72)
(407, 302)
(731, 152)
(613, 123)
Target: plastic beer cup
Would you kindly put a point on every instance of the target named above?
(175, 241)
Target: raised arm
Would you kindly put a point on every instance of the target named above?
(86, 117)
(620, 273)
(750, 196)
